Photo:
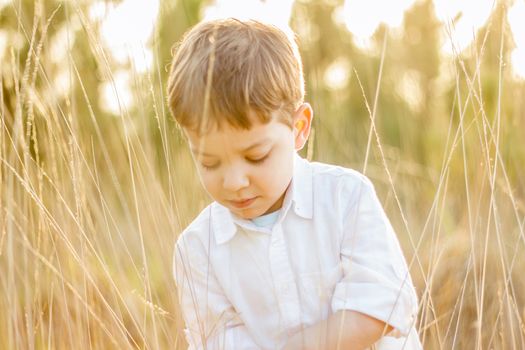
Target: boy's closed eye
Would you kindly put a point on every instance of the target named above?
(252, 160)
(259, 159)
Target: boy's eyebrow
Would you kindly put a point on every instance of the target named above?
(255, 145)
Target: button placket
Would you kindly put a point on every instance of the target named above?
(283, 276)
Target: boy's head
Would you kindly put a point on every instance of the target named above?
(236, 88)
(224, 69)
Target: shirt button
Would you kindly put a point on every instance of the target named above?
(293, 330)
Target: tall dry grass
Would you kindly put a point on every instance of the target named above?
(91, 208)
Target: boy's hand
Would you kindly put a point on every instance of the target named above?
(296, 342)
(343, 330)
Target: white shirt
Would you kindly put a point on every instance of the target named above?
(332, 248)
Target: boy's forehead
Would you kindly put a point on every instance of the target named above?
(236, 139)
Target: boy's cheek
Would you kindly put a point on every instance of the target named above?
(205, 182)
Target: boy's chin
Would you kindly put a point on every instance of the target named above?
(247, 214)
(258, 208)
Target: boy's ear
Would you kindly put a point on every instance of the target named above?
(302, 123)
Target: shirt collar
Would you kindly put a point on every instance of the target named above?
(302, 188)
(300, 193)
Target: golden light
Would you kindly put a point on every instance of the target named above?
(116, 95)
(4, 3)
(3, 35)
(337, 74)
(3, 45)
(269, 11)
(408, 87)
(462, 20)
(363, 17)
(126, 29)
(516, 17)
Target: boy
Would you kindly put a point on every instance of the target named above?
(290, 254)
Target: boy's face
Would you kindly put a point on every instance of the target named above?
(248, 171)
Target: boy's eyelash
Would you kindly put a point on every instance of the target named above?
(258, 161)
(253, 161)
(209, 167)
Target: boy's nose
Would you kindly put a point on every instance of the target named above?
(235, 179)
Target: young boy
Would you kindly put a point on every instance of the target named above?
(290, 254)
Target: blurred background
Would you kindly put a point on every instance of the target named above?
(427, 98)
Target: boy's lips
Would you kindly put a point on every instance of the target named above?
(243, 203)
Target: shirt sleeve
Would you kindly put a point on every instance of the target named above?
(211, 321)
(376, 281)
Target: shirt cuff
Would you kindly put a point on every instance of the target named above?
(389, 304)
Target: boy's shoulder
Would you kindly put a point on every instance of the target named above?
(339, 185)
(337, 175)
(199, 228)
(202, 231)
(329, 169)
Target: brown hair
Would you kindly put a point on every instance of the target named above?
(226, 70)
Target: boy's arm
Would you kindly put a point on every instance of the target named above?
(346, 329)
(376, 280)
(211, 321)
(376, 296)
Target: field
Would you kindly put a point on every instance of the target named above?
(96, 184)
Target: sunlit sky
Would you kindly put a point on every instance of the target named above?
(127, 27)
